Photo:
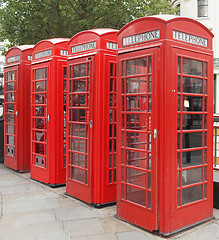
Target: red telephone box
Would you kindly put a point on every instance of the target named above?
(164, 122)
(48, 111)
(17, 108)
(91, 121)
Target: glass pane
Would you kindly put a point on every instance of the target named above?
(40, 86)
(9, 129)
(191, 194)
(192, 139)
(192, 85)
(78, 174)
(9, 97)
(79, 70)
(150, 64)
(179, 83)
(136, 140)
(136, 121)
(10, 140)
(40, 74)
(178, 198)
(192, 103)
(79, 100)
(10, 86)
(39, 123)
(79, 85)
(77, 159)
(178, 160)
(10, 118)
(136, 103)
(191, 158)
(11, 76)
(179, 65)
(78, 145)
(136, 66)
(191, 176)
(39, 148)
(78, 130)
(136, 195)
(136, 85)
(206, 69)
(39, 136)
(39, 110)
(192, 121)
(39, 98)
(137, 159)
(136, 177)
(79, 115)
(192, 67)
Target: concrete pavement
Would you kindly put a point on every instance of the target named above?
(33, 211)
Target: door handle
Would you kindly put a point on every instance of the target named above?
(16, 113)
(91, 123)
(48, 118)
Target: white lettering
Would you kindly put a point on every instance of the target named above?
(185, 37)
(13, 59)
(143, 37)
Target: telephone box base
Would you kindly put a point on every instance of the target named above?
(50, 185)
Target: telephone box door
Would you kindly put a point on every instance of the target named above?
(138, 134)
(11, 115)
(40, 116)
(80, 124)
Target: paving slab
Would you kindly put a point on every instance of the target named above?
(14, 221)
(98, 237)
(4, 171)
(52, 236)
(33, 205)
(29, 196)
(67, 202)
(134, 235)
(112, 225)
(75, 213)
(20, 188)
(85, 227)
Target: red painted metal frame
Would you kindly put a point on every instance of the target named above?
(169, 215)
(91, 168)
(17, 108)
(48, 75)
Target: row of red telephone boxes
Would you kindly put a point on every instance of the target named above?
(92, 110)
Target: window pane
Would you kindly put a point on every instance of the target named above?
(192, 139)
(191, 176)
(136, 195)
(192, 103)
(192, 85)
(192, 121)
(40, 74)
(191, 158)
(191, 194)
(136, 85)
(136, 66)
(192, 67)
(79, 70)
(136, 177)
(136, 103)
(137, 159)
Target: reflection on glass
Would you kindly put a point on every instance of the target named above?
(10, 108)
(191, 194)
(40, 74)
(9, 129)
(179, 65)
(206, 69)
(78, 174)
(79, 100)
(136, 66)
(40, 86)
(137, 142)
(192, 103)
(136, 177)
(136, 85)
(179, 84)
(136, 103)
(192, 121)
(10, 86)
(39, 148)
(178, 198)
(192, 139)
(191, 158)
(137, 159)
(39, 98)
(192, 85)
(78, 145)
(79, 85)
(77, 159)
(39, 136)
(79, 70)
(150, 64)
(79, 115)
(191, 176)
(10, 140)
(136, 195)
(192, 67)
(39, 110)
(11, 76)
(78, 130)
(136, 121)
